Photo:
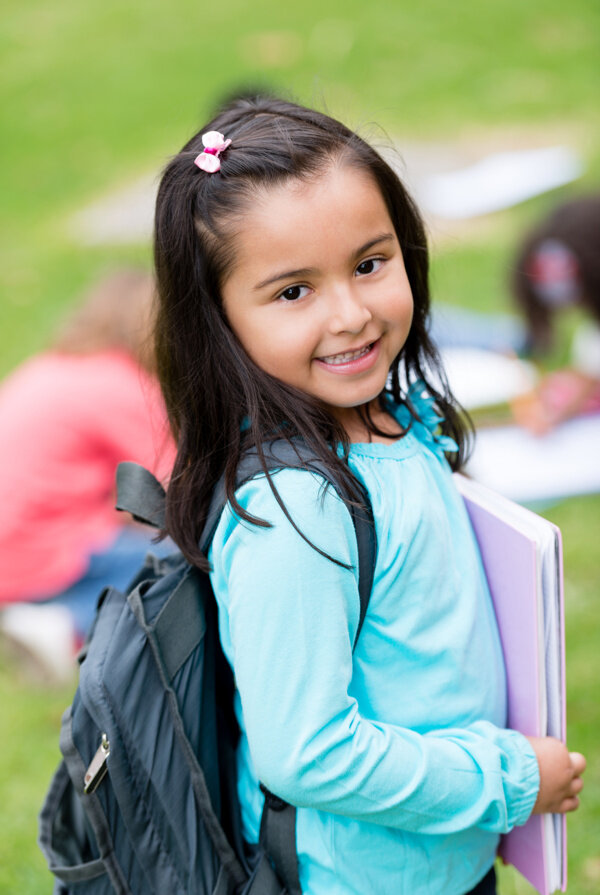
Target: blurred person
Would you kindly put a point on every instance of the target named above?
(558, 267)
(69, 415)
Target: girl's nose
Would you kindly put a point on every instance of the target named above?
(348, 313)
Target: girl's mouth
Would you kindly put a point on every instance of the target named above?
(347, 356)
(351, 361)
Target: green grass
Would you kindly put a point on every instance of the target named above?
(579, 522)
(97, 93)
(30, 721)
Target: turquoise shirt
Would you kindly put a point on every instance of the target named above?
(396, 755)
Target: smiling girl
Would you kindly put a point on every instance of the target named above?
(292, 271)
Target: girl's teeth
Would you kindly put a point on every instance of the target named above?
(347, 356)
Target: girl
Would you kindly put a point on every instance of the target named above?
(558, 267)
(292, 271)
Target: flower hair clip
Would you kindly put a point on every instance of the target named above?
(214, 144)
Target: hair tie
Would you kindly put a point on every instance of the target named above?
(214, 144)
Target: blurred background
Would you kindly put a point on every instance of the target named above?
(98, 95)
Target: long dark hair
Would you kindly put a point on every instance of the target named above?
(219, 402)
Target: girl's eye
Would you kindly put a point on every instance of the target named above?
(293, 293)
(369, 266)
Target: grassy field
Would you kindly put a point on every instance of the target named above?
(97, 94)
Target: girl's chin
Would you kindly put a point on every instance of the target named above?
(352, 410)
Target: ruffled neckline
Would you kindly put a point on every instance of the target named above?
(421, 426)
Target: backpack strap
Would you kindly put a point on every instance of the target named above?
(141, 494)
(278, 839)
(281, 454)
(278, 822)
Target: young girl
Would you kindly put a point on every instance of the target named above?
(557, 267)
(292, 271)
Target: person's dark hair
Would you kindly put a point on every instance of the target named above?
(219, 402)
(576, 226)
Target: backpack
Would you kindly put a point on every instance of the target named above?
(145, 798)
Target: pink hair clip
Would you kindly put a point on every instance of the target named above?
(214, 144)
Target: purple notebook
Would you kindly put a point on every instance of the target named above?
(522, 558)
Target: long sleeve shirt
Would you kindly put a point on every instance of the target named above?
(396, 753)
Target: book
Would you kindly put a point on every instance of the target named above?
(522, 558)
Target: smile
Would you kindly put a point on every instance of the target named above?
(351, 363)
(347, 356)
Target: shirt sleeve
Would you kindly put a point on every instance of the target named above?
(288, 621)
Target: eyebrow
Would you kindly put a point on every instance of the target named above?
(306, 271)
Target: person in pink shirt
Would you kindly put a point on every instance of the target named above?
(68, 417)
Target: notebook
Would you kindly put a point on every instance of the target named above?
(522, 558)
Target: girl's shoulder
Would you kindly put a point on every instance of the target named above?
(302, 487)
(287, 500)
(303, 513)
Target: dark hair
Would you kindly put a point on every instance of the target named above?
(210, 385)
(575, 225)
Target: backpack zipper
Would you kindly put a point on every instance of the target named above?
(97, 767)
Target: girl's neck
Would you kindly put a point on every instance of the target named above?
(359, 433)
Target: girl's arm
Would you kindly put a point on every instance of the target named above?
(289, 628)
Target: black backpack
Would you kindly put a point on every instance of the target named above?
(145, 800)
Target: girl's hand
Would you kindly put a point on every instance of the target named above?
(560, 776)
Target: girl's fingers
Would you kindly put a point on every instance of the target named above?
(577, 762)
(570, 804)
(576, 785)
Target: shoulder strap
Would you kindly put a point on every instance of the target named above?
(141, 494)
(282, 454)
(278, 821)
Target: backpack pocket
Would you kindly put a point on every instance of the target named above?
(73, 859)
(74, 834)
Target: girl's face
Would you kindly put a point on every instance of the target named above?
(318, 295)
